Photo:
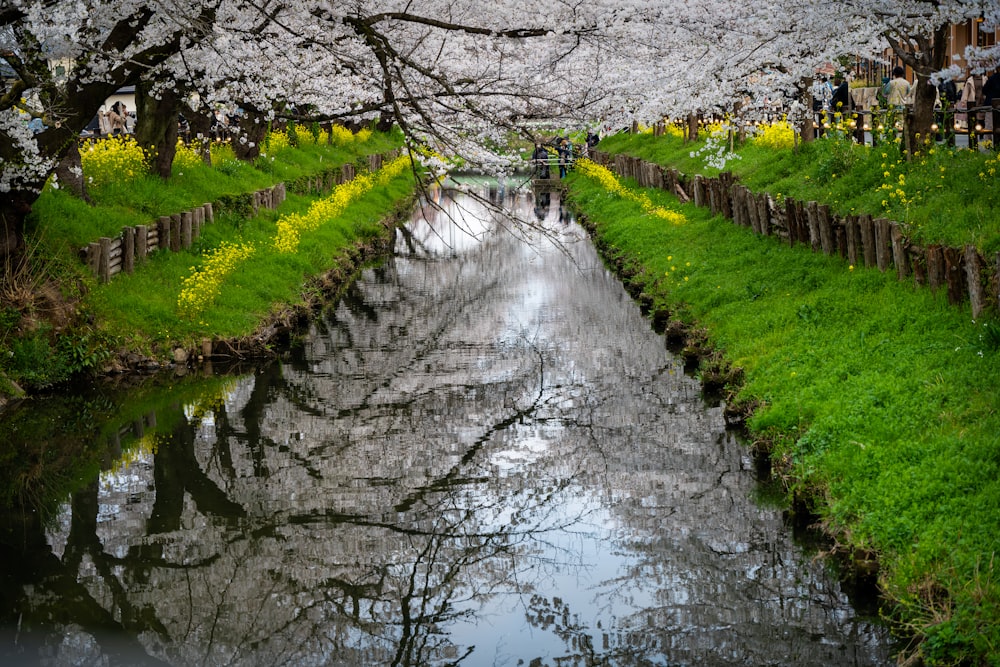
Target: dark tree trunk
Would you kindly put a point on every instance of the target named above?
(807, 130)
(692, 127)
(385, 122)
(156, 126)
(14, 208)
(252, 131)
(69, 173)
(200, 122)
(927, 55)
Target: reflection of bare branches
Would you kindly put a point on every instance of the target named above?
(472, 431)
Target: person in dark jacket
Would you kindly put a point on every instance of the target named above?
(565, 152)
(540, 162)
(839, 100)
(991, 89)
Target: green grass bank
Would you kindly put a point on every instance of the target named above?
(878, 401)
(243, 272)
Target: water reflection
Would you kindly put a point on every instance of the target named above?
(482, 455)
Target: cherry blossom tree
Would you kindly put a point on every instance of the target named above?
(457, 75)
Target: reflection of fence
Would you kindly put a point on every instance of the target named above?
(859, 239)
(109, 256)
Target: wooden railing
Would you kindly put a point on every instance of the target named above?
(109, 256)
(860, 239)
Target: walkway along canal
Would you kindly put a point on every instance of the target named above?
(482, 455)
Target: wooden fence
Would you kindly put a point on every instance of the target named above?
(860, 239)
(109, 256)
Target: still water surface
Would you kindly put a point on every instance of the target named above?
(482, 455)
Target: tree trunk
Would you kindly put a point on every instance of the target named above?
(14, 208)
(200, 122)
(926, 55)
(156, 126)
(69, 173)
(692, 127)
(807, 130)
(252, 132)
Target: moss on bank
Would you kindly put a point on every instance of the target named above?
(878, 402)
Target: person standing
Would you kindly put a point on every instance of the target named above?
(972, 96)
(540, 161)
(839, 98)
(991, 93)
(103, 123)
(116, 119)
(899, 89)
(565, 152)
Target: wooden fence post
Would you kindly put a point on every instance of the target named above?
(935, 267)
(128, 249)
(764, 213)
(94, 258)
(953, 275)
(853, 237)
(867, 226)
(899, 256)
(175, 232)
(104, 266)
(973, 274)
(825, 229)
(197, 218)
(163, 232)
(141, 242)
(882, 243)
(812, 220)
(186, 229)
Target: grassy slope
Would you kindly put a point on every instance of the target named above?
(942, 196)
(880, 398)
(140, 311)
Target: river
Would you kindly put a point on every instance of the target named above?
(481, 455)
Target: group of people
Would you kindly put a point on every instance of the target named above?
(896, 93)
(831, 96)
(978, 91)
(566, 152)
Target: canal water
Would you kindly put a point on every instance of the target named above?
(482, 455)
